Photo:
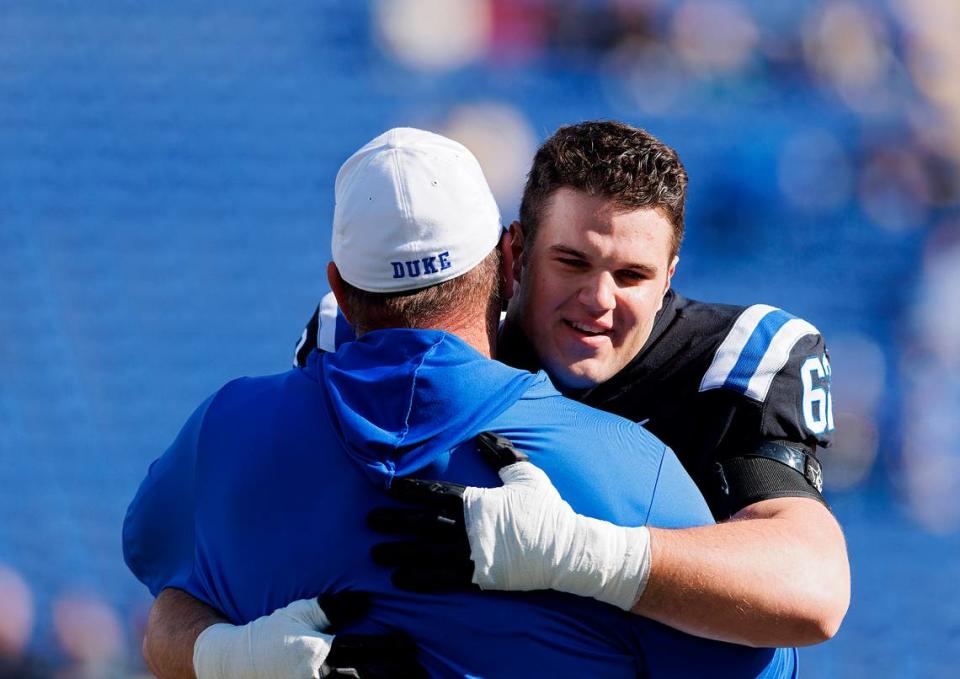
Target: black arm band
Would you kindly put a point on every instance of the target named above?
(795, 458)
(775, 469)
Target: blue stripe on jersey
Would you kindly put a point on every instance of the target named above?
(343, 331)
(755, 349)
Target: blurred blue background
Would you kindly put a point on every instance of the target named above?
(166, 174)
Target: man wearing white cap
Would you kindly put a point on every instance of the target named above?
(238, 511)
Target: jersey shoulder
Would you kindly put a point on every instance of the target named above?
(749, 345)
(771, 358)
(326, 330)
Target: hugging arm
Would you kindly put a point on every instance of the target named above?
(775, 575)
(186, 639)
(176, 620)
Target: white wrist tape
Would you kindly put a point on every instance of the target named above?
(286, 644)
(524, 536)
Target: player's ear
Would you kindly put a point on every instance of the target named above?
(670, 271)
(336, 286)
(506, 266)
(516, 249)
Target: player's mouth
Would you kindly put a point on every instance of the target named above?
(588, 329)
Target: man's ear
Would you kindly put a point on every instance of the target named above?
(506, 266)
(336, 286)
(516, 249)
(670, 271)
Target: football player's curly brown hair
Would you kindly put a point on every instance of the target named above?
(609, 159)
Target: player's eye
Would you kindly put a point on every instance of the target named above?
(631, 276)
(573, 263)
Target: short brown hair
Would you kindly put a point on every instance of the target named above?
(472, 293)
(609, 159)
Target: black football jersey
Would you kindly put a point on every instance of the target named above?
(716, 382)
(741, 394)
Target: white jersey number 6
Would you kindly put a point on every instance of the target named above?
(817, 401)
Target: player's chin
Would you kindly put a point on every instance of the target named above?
(584, 374)
(601, 367)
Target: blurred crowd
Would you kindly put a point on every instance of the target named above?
(88, 632)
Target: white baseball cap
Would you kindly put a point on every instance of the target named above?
(413, 209)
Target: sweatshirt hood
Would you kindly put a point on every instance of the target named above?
(401, 398)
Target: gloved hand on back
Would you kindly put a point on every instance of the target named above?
(521, 536)
(295, 642)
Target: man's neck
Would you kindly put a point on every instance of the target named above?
(473, 333)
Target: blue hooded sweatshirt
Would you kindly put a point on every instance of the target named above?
(262, 500)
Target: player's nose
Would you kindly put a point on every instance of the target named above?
(598, 293)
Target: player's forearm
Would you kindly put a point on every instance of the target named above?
(176, 620)
(777, 575)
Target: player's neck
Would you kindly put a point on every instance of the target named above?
(513, 347)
